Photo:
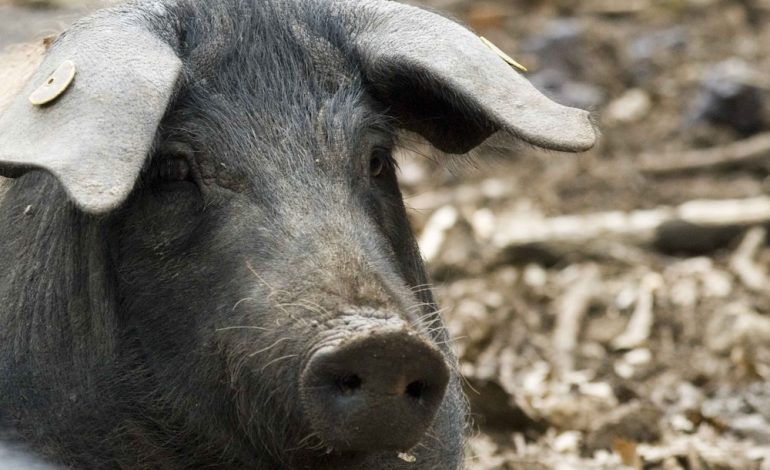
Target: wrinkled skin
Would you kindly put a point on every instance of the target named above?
(267, 224)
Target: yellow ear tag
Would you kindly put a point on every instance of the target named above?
(502, 54)
(56, 84)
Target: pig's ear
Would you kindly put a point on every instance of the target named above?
(441, 81)
(92, 130)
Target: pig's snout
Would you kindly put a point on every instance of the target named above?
(377, 391)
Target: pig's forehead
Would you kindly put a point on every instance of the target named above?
(286, 119)
(233, 45)
(274, 67)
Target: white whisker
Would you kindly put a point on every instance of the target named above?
(242, 328)
(276, 360)
(268, 347)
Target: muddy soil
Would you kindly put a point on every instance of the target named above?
(610, 309)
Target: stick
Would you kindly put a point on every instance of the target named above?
(742, 262)
(640, 325)
(637, 227)
(573, 307)
(743, 152)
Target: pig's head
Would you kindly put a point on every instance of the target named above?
(271, 298)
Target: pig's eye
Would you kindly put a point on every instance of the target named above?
(379, 162)
(174, 169)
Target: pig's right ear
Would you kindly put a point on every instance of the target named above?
(441, 81)
(93, 130)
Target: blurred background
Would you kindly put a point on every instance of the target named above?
(610, 309)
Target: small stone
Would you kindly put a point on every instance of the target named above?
(567, 442)
(631, 106)
(535, 276)
(600, 390)
(626, 298)
(638, 357)
(484, 223)
(624, 369)
(684, 292)
(716, 283)
(681, 423)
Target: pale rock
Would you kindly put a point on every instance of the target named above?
(631, 106)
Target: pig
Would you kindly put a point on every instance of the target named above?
(206, 258)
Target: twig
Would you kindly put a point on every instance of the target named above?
(742, 262)
(640, 325)
(639, 227)
(573, 307)
(743, 152)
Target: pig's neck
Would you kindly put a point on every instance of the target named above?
(57, 308)
(57, 315)
(67, 381)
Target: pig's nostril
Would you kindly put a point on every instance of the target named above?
(348, 384)
(416, 389)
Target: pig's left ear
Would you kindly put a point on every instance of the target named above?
(92, 130)
(441, 81)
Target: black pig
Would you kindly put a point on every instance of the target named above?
(206, 261)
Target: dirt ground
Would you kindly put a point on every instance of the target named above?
(610, 309)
